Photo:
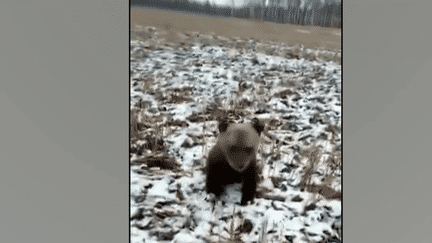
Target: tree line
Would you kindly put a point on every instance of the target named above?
(326, 13)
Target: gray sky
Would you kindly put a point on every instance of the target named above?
(237, 3)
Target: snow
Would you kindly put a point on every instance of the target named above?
(175, 206)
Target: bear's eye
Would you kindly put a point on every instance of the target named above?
(234, 149)
(248, 150)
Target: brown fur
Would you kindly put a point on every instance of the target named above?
(233, 159)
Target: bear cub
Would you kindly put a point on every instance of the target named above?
(233, 159)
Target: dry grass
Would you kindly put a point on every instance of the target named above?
(133, 119)
(323, 190)
(172, 23)
(309, 36)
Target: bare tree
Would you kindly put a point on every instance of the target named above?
(263, 9)
(297, 11)
(232, 8)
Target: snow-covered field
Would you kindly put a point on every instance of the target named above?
(177, 90)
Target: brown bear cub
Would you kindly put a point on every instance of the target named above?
(233, 159)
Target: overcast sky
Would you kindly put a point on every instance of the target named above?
(237, 3)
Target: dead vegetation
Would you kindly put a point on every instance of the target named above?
(150, 125)
(313, 156)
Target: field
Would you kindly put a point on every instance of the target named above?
(188, 70)
(309, 36)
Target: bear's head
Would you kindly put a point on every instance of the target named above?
(239, 142)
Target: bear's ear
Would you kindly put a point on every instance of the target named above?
(257, 125)
(223, 124)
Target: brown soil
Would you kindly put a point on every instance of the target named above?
(309, 36)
